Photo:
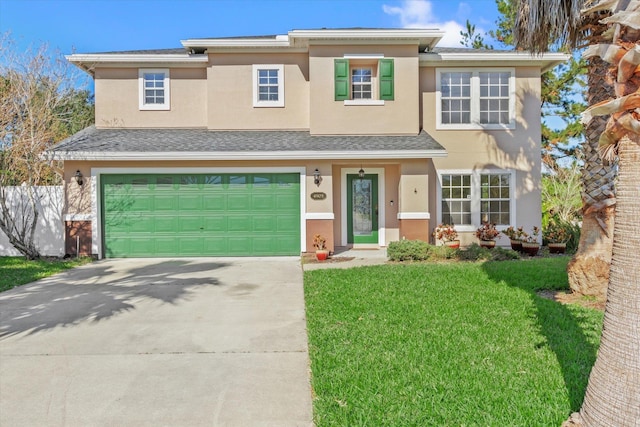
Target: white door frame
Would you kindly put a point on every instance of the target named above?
(381, 204)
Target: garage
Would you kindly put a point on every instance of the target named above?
(200, 214)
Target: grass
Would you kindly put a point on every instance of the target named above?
(447, 344)
(17, 271)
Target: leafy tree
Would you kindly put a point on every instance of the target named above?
(561, 193)
(39, 106)
(612, 397)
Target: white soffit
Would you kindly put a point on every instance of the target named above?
(545, 61)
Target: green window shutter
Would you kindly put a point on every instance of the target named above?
(341, 77)
(386, 79)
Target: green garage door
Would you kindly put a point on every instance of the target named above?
(156, 215)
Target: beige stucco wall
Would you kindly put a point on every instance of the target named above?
(230, 89)
(117, 99)
(414, 187)
(77, 198)
(396, 117)
(516, 149)
(325, 186)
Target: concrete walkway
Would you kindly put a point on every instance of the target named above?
(154, 342)
(345, 257)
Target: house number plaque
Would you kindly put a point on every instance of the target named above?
(318, 196)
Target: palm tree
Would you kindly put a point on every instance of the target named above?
(612, 397)
(589, 268)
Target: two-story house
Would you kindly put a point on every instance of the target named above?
(252, 145)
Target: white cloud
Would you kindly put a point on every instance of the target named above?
(419, 14)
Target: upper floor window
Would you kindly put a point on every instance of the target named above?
(361, 83)
(479, 99)
(154, 89)
(364, 80)
(468, 199)
(268, 85)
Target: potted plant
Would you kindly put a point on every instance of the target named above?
(556, 237)
(530, 245)
(320, 243)
(487, 234)
(515, 237)
(448, 235)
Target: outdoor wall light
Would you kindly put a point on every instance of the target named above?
(391, 202)
(316, 177)
(78, 177)
(361, 173)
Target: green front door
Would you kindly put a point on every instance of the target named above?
(362, 209)
(244, 214)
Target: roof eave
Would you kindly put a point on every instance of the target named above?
(545, 61)
(301, 39)
(243, 155)
(88, 61)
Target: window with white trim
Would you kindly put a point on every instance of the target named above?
(364, 79)
(268, 85)
(361, 83)
(475, 99)
(471, 198)
(154, 89)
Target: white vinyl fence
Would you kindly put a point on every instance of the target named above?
(49, 236)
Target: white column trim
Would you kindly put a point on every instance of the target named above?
(319, 215)
(414, 215)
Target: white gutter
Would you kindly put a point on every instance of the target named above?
(243, 155)
(136, 58)
(277, 42)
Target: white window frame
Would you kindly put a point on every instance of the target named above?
(353, 75)
(167, 89)
(256, 101)
(374, 61)
(475, 99)
(476, 195)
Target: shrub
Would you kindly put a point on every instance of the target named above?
(487, 231)
(408, 250)
(477, 253)
(417, 250)
(558, 230)
(445, 233)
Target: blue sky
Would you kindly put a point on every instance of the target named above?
(112, 25)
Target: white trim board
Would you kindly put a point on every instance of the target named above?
(243, 155)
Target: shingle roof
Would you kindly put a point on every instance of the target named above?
(99, 143)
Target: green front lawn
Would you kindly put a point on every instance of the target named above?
(447, 344)
(16, 271)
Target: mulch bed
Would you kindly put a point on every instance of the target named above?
(565, 297)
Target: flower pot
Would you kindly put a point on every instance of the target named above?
(322, 255)
(516, 245)
(557, 248)
(490, 244)
(530, 249)
(453, 244)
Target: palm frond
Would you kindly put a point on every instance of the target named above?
(536, 28)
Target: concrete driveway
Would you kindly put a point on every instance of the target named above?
(158, 342)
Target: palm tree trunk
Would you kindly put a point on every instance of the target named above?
(613, 393)
(589, 269)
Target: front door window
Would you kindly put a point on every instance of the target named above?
(362, 209)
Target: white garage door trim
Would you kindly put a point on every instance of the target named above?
(96, 217)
